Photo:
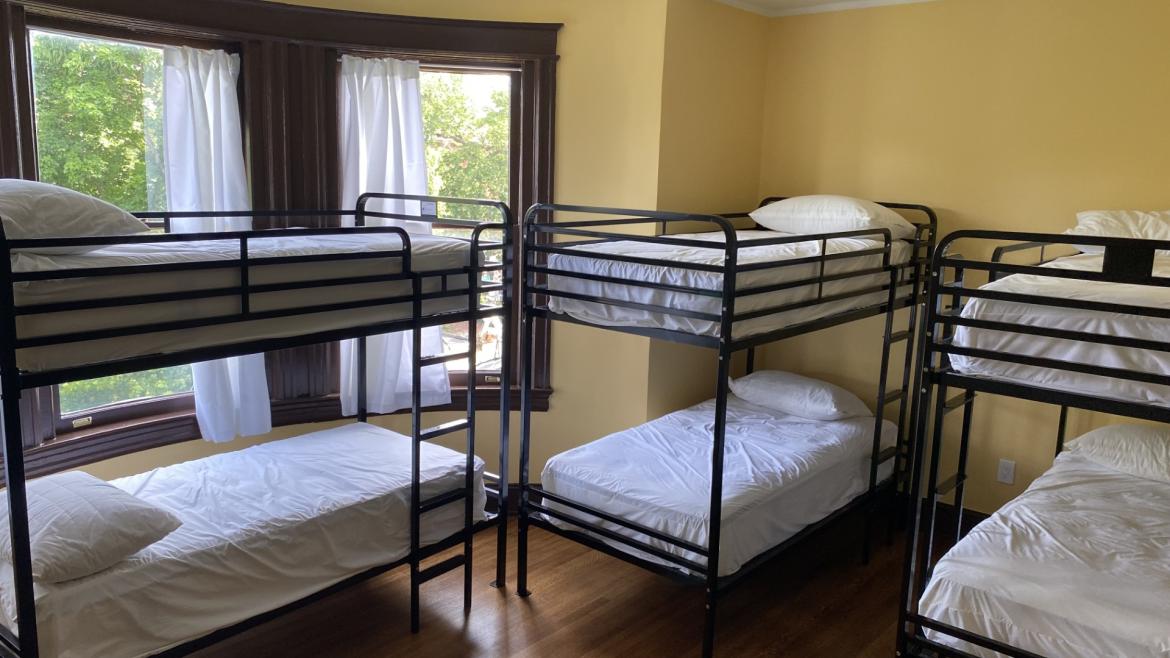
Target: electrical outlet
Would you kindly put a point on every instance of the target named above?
(1007, 471)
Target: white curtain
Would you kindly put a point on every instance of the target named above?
(383, 150)
(205, 172)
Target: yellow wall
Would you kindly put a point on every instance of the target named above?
(1005, 114)
(712, 100)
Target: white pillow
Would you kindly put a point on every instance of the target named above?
(1139, 450)
(80, 525)
(827, 213)
(798, 396)
(1147, 225)
(33, 210)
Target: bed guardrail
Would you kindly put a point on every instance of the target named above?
(544, 238)
(947, 388)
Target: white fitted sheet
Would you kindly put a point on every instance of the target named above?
(1115, 324)
(427, 253)
(1078, 566)
(610, 315)
(262, 527)
(781, 474)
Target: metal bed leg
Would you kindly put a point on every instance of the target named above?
(26, 610)
(525, 454)
(362, 388)
(506, 339)
(469, 467)
(415, 467)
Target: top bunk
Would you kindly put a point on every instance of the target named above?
(1083, 322)
(720, 285)
(83, 307)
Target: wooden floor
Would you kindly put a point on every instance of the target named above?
(815, 601)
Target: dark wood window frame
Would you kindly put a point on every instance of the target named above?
(288, 86)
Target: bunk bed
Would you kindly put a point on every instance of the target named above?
(251, 545)
(1042, 576)
(691, 288)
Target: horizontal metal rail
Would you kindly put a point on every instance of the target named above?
(617, 520)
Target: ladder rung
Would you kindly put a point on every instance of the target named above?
(949, 484)
(434, 571)
(957, 401)
(490, 288)
(899, 336)
(887, 454)
(894, 396)
(443, 358)
(445, 428)
(441, 500)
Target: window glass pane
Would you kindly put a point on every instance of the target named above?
(467, 121)
(99, 131)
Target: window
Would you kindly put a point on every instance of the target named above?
(467, 121)
(53, 59)
(98, 110)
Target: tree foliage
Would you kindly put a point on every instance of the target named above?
(467, 145)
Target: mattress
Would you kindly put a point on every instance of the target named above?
(427, 253)
(781, 474)
(1114, 324)
(1078, 566)
(262, 527)
(611, 315)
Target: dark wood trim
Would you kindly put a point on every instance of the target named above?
(143, 37)
(244, 20)
(18, 152)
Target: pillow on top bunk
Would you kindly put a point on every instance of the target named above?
(32, 210)
(799, 396)
(1139, 450)
(828, 213)
(80, 525)
(1144, 225)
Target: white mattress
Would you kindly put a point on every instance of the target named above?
(427, 253)
(781, 474)
(261, 527)
(1114, 324)
(611, 315)
(1078, 566)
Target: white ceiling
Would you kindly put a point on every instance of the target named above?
(793, 7)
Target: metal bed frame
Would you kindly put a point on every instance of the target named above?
(1126, 261)
(13, 380)
(538, 242)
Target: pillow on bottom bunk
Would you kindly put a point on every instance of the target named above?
(1139, 450)
(79, 525)
(803, 397)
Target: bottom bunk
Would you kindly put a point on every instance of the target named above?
(782, 474)
(1078, 565)
(261, 528)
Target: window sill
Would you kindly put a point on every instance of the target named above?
(118, 439)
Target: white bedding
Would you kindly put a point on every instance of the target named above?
(781, 474)
(611, 315)
(427, 253)
(1114, 324)
(1078, 566)
(261, 527)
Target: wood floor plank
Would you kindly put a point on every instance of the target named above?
(819, 600)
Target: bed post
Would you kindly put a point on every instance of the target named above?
(879, 412)
(415, 453)
(473, 275)
(726, 326)
(14, 474)
(508, 278)
(525, 355)
(362, 399)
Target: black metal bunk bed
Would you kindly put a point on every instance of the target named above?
(946, 389)
(544, 238)
(485, 257)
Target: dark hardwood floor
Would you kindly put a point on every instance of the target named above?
(818, 600)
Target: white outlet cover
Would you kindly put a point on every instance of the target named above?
(1006, 473)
